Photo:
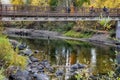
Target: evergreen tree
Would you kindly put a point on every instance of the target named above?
(54, 2)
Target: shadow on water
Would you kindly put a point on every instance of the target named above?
(100, 59)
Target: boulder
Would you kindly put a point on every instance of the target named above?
(22, 46)
(41, 76)
(33, 59)
(27, 52)
(59, 73)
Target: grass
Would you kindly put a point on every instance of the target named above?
(75, 34)
(74, 42)
(84, 75)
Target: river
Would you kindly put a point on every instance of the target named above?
(98, 58)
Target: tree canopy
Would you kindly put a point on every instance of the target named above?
(53, 2)
(17, 2)
(40, 2)
(78, 3)
(107, 3)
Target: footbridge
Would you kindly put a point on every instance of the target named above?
(36, 13)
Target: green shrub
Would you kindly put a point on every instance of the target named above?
(2, 77)
(105, 22)
(75, 34)
(9, 56)
(53, 2)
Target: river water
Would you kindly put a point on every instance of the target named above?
(98, 58)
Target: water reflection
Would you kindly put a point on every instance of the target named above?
(66, 53)
(93, 60)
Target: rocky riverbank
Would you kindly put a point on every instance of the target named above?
(43, 70)
(36, 69)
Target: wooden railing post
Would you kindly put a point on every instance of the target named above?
(118, 14)
(0, 11)
(5, 9)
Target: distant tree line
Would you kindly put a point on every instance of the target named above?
(76, 3)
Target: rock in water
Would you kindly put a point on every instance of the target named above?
(27, 52)
(74, 67)
(41, 76)
(59, 73)
(80, 66)
(36, 51)
(14, 43)
(33, 59)
(22, 46)
(22, 75)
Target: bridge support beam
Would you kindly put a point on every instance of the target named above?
(118, 30)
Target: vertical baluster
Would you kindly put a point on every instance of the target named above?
(36, 10)
(98, 12)
(47, 11)
(75, 12)
(110, 12)
(13, 9)
(29, 9)
(0, 11)
(25, 9)
(79, 12)
(117, 12)
(6, 9)
(19, 9)
(82, 12)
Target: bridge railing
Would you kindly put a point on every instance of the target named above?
(35, 11)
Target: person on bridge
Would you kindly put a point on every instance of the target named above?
(68, 9)
(105, 10)
(92, 10)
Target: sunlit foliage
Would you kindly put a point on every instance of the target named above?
(2, 77)
(76, 34)
(17, 2)
(9, 56)
(1, 28)
(53, 2)
(40, 2)
(27, 2)
(80, 2)
(95, 3)
(107, 3)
